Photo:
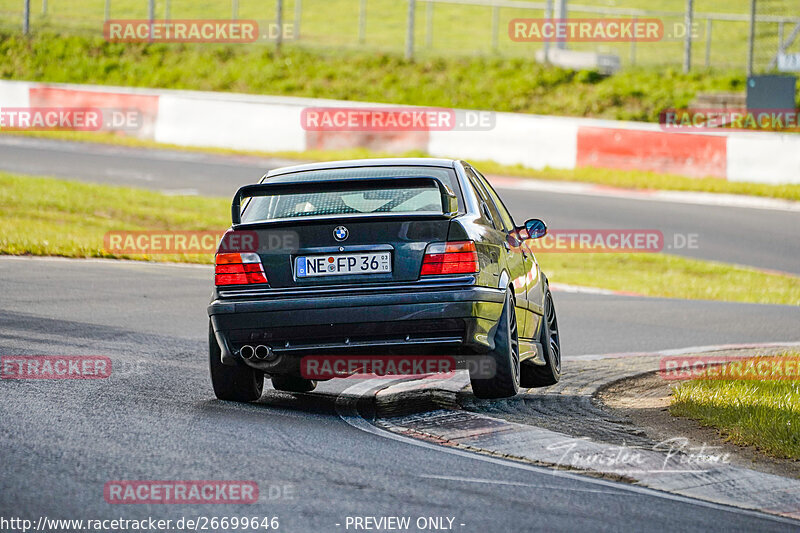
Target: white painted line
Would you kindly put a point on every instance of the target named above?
(180, 192)
(95, 148)
(100, 260)
(579, 289)
(683, 351)
(681, 197)
(129, 174)
(513, 483)
(346, 408)
(169, 154)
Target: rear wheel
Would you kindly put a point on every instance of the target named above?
(549, 373)
(238, 383)
(293, 384)
(505, 381)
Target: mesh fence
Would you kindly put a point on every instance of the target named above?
(773, 35)
(719, 28)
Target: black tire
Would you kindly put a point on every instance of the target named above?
(505, 381)
(549, 373)
(238, 383)
(293, 384)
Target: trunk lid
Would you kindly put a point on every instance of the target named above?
(307, 227)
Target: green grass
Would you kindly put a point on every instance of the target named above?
(645, 180)
(629, 179)
(42, 216)
(492, 83)
(45, 216)
(765, 414)
(671, 276)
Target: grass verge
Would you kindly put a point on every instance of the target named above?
(627, 179)
(765, 414)
(491, 83)
(45, 216)
(671, 276)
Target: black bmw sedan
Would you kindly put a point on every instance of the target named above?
(378, 258)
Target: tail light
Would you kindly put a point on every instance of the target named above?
(450, 258)
(238, 269)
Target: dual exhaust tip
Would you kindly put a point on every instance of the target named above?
(260, 352)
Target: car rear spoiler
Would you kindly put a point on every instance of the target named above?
(449, 198)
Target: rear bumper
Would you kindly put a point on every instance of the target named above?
(451, 321)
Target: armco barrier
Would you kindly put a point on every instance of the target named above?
(530, 140)
(235, 121)
(146, 104)
(676, 153)
(764, 157)
(14, 94)
(268, 123)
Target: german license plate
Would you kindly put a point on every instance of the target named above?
(343, 264)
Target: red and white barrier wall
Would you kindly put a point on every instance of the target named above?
(249, 122)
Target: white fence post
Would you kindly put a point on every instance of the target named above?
(548, 14)
(561, 13)
(412, 4)
(495, 27)
(687, 43)
(298, 14)
(362, 22)
(279, 23)
(26, 17)
(751, 37)
(429, 26)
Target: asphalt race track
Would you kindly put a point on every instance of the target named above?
(756, 237)
(156, 416)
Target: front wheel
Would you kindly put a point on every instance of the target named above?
(505, 381)
(549, 373)
(238, 383)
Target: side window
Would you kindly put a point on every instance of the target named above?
(485, 200)
(508, 222)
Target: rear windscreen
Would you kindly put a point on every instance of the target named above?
(360, 199)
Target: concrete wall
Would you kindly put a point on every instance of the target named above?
(248, 122)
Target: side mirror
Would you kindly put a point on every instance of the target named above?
(536, 228)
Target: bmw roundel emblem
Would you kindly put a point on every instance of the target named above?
(340, 233)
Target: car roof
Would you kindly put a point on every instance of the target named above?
(355, 163)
